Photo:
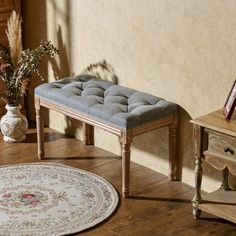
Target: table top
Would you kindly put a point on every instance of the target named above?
(217, 122)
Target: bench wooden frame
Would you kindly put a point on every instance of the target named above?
(125, 135)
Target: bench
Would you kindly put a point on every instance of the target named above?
(119, 110)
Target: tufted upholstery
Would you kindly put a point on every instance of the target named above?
(112, 103)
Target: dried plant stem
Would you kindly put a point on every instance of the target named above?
(14, 37)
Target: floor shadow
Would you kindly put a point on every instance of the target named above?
(82, 158)
(217, 220)
(159, 199)
(48, 137)
(222, 203)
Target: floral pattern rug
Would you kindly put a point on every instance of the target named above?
(52, 199)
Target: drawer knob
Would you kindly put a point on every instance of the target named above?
(227, 149)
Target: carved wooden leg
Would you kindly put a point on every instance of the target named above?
(225, 181)
(197, 199)
(125, 139)
(198, 181)
(40, 129)
(88, 131)
(173, 130)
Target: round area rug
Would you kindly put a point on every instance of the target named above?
(51, 199)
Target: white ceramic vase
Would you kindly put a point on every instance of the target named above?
(14, 125)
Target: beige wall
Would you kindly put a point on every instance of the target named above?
(183, 51)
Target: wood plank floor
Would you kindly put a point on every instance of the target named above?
(156, 207)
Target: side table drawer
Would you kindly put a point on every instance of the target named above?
(221, 144)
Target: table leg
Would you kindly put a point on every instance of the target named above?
(198, 181)
(225, 180)
(40, 129)
(125, 140)
(88, 131)
(197, 199)
(173, 152)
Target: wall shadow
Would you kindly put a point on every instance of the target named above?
(33, 31)
(155, 143)
(62, 68)
(102, 70)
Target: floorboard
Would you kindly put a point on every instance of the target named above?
(157, 206)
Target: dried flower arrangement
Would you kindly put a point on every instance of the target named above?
(17, 65)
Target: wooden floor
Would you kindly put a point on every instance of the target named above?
(157, 206)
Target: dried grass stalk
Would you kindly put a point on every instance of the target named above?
(14, 37)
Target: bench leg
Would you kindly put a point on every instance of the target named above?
(173, 129)
(125, 139)
(40, 129)
(88, 131)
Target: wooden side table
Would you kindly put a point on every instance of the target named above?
(215, 141)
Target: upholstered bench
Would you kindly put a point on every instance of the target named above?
(119, 110)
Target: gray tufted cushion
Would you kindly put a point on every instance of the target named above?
(112, 103)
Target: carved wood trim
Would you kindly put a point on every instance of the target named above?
(126, 136)
(153, 125)
(37, 103)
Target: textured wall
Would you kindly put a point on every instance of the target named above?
(183, 51)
